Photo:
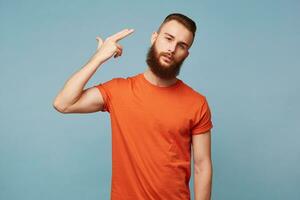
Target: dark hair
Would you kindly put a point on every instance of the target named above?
(184, 20)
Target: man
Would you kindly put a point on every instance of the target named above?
(155, 117)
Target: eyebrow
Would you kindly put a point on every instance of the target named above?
(174, 37)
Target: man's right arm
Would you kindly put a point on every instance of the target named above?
(72, 98)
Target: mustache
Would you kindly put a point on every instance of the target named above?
(167, 55)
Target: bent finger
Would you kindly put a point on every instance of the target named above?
(118, 52)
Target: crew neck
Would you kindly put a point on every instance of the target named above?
(175, 85)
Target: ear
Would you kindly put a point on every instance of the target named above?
(153, 37)
(187, 54)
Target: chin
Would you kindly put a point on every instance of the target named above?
(165, 64)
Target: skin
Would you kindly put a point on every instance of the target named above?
(203, 171)
(73, 98)
(173, 40)
(170, 41)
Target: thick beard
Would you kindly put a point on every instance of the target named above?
(163, 72)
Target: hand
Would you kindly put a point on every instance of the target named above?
(106, 49)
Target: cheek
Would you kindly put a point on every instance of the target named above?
(182, 55)
(161, 46)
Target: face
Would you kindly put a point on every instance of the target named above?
(169, 48)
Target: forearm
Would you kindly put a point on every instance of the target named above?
(73, 88)
(202, 181)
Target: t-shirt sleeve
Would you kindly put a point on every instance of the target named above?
(107, 89)
(202, 120)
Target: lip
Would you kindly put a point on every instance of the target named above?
(168, 58)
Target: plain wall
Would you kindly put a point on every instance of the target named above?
(245, 60)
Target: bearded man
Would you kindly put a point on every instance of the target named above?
(156, 118)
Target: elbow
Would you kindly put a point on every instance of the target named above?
(203, 166)
(59, 107)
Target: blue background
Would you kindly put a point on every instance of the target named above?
(245, 60)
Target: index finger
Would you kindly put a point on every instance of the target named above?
(123, 34)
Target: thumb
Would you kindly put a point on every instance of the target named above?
(100, 41)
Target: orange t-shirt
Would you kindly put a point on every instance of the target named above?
(152, 128)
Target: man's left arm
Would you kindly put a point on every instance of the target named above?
(201, 144)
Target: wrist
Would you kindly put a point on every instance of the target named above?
(97, 57)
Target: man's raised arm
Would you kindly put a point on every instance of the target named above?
(72, 98)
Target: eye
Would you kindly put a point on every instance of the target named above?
(182, 46)
(169, 39)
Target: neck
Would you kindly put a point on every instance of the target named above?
(155, 80)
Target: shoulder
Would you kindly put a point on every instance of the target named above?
(125, 79)
(192, 93)
(119, 82)
(197, 100)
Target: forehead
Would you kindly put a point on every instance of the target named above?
(179, 31)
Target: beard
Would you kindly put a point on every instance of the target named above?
(162, 71)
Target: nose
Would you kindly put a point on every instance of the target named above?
(172, 47)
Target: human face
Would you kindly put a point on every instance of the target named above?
(169, 49)
(159, 68)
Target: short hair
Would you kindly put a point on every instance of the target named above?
(184, 20)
